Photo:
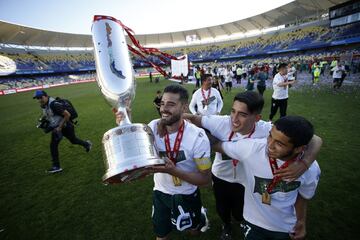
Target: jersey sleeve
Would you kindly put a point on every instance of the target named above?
(202, 151)
(213, 123)
(312, 176)
(240, 149)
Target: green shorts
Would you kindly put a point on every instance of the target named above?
(177, 211)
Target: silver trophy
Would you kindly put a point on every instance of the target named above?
(129, 148)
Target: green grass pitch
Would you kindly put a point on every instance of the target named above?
(76, 205)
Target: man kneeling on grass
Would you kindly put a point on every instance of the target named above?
(273, 208)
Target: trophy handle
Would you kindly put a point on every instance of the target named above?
(126, 120)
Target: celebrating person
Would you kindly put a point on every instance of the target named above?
(274, 208)
(228, 176)
(207, 99)
(281, 92)
(176, 196)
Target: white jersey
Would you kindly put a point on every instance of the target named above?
(280, 92)
(280, 215)
(214, 106)
(220, 127)
(337, 71)
(194, 155)
(291, 73)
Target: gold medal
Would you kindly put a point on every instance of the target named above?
(176, 181)
(266, 198)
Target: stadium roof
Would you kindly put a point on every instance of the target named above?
(289, 13)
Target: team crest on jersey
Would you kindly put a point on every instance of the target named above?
(181, 156)
(282, 186)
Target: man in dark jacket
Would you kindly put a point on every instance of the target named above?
(60, 124)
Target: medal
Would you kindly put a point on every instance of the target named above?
(176, 181)
(266, 198)
(206, 99)
(173, 154)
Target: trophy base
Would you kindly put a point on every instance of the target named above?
(129, 175)
(129, 153)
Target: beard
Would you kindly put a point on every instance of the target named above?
(171, 119)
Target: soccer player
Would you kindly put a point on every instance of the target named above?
(176, 196)
(274, 208)
(281, 92)
(229, 176)
(207, 99)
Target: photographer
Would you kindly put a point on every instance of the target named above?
(56, 119)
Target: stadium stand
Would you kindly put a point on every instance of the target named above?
(303, 43)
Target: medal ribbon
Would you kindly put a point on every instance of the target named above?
(234, 161)
(206, 99)
(274, 166)
(173, 154)
(164, 57)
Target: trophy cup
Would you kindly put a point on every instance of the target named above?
(129, 148)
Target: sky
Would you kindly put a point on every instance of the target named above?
(143, 16)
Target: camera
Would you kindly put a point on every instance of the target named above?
(44, 124)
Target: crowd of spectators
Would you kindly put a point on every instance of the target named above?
(301, 46)
(42, 80)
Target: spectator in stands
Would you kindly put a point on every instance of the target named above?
(60, 124)
(281, 92)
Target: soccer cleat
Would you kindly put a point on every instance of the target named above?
(207, 222)
(54, 170)
(89, 146)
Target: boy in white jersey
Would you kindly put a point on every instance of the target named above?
(176, 197)
(207, 99)
(273, 208)
(228, 176)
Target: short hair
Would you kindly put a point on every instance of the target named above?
(204, 77)
(298, 129)
(282, 65)
(178, 89)
(253, 100)
(158, 91)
